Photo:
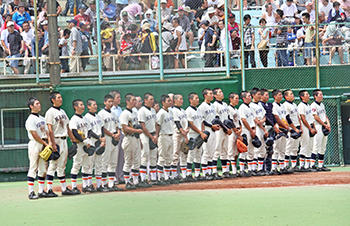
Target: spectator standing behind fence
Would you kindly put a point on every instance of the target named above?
(263, 46)
(70, 4)
(333, 38)
(249, 40)
(45, 48)
(121, 4)
(21, 16)
(135, 11)
(310, 10)
(325, 7)
(289, 10)
(186, 25)
(86, 45)
(270, 17)
(81, 17)
(13, 6)
(76, 45)
(222, 40)
(16, 46)
(201, 11)
(309, 42)
(232, 25)
(181, 45)
(148, 44)
(124, 23)
(91, 13)
(167, 39)
(64, 50)
(149, 19)
(211, 17)
(210, 40)
(281, 39)
(27, 35)
(108, 47)
(165, 11)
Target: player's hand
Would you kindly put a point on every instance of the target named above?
(154, 139)
(297, 130)
(216, 127)
(203, 135)
(313, 131)
(103, 139)
(328, 127)
(103, 143)
(229, 132)
(252, 133)
(266, 133)
(139, 131)
(54, 147)
(186, 140)
(277, 130)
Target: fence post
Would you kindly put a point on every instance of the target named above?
(317, 47)
(227, 33)
(242, 43)
(36, 42)
(340, 134)
(99, 42)
(161, 65)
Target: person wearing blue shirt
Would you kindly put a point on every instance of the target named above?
(21, 15)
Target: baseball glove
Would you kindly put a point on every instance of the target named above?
(256, 142)
(81, 133)
(199, 141)
(310, 134)
(55, 155)
(241, 147)
(115, 141)
(152, 145)
(46, 152)
(72, 150)
(325, 131)
(89, 150)
(99, 150)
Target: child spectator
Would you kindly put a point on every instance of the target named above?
(16, 46)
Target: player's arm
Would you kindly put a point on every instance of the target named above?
(318, 119)
(147, 133)
(37, 138)
(51, 137)
(328, 123)
(280, 123)
(179, 127)
(157, 129)
(291, 124)
(71, 136)
(107, 132)
(130, 130)
(192, 126)
(246, 124)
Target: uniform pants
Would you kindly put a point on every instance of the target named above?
(37, 165)
(220, 145)
(209, 147)
(110, 156)
(292, 146)
(131, 147)
(178, 151)
(95, 161)
(232, 151)
(320, 141)
(306, 143)
(249, 155)
(194, 156)
(279, 149)
(81, 160)
(119, 170)
(165, 145)
(261, 151)
(147, 155)
(59, 165)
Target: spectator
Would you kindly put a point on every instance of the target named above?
(91, 13)
(148, 42)
(345, 5)
(149, 19)
(121, 4)
(222, 40)
(76, 46)
(45, 48)
(108, 46)
(289, 10)
(311, 11)
(249, 40)
(181, 45)
(13, 6)
(165, 12)
(124, 23)
(43, 14)
(211, 17)
(16, 46)
(325, 7)
(213, 3)
(186, 25)
(336, 13)
(309, 41)
(232, 25)
(3, 11)
(167, 39)
(264, 34)
(21, 16)
(82, 17)
(210, 41)
(201, 11)
(301, 5)
(188, 12)
(297, 22)
(333, 38)
(134, 10)
(236, 41)
(274, 7)
(193, 4)
(269, 16)
(64, 50)
(292, 45)
(110, 10)
(281, 39)
(27, 35)
(86, 45)
(169, 4)
(70, 5)
(8, 18)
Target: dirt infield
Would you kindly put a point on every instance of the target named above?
(296, 179)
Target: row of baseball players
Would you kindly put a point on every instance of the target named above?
(161, 140)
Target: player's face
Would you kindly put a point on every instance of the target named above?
(80, 108)
(179, 101)
(319, 96)
(265, 97)
(36, 107)
(257, 96)
(167, 103)
(150, 101)
(116, 100)
(248, 98)
(234, 100)
(138, 102)
(306, 97)
(290, 96)
(93, 107)
(219, 95)
(209, 95)
(57, 102)
(195, 101)
(133, 102)
(279, 97)
(108, 103)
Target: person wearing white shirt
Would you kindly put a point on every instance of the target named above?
(27, 35)
(309, 9)
(249, 130)
(279, 146)
(289, 10)
(307, 126)
(321, 122)
(325, 6)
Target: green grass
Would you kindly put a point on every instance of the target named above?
(313, 205)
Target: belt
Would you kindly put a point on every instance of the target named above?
(62, 138)
(253, 127)
(166, 135)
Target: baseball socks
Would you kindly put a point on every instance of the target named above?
(73, 180)
(98, 181)
(294, 160)
(153, 173)
(301, 161)
(167, 172)
(260, 164)
(241, 165)
(274, 165)
(104, 179)
(228, 163)
(85, 178)
(313, 160)
(255, 164)
(41, 182)
(189, 169)
(307, 162)
(234, 167)
(183, 171)
(143, 172)
(281, 164)
(205, 169)
(49, 179)
(320, 160)
(135, 176)
(214, 167)
(173, 172)
(224, 165)
(286, 161)
(210, 168)
(111, 179)
(126, 177)
(89, 179)
(30, 182)
(197, 169)
(160, 170)
(250, 165)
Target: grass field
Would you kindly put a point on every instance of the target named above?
(312, 205)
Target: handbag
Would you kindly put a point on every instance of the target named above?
(262, 44)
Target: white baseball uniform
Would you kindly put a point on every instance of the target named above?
(320, 142)
(194, 156)
(245, 112)
(279, 146)
(259, 113)
(180, 116)
(221, 110)
(292, 113)
(232, 151)
(306, 142)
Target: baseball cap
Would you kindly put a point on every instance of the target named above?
(45, 22)
(124, 13)
(180, 8)
(81, 24)
(205, 22)
(73, 21)
(187, 9)
(164, 1)
(10, 23)
(82, 7)
(211, 10)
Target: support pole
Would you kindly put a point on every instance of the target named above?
(160, 39)
(242, 43)
(54, 58)
(36, 42)
(99, 42)
(227, 50)
(340, 132)
(317, 46)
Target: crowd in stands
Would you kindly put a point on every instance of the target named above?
(131, 27)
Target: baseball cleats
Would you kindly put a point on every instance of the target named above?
(324, 169)
(144, 184)
(51, 194)
(173, 181)
(102, 189)
(75, 191)
(217, 176)
(189, 179)
(86, 189)
(43, 195)
(260, 173)
(92, 188)
(226, 175)
(313, 169)
(130, 186)
(69, 192)
(32, 196)
(275, 172)
(162, 182)
(233, 175)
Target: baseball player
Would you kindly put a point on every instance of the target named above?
(208, 113)
(232, 148)
(79, 127)
(37, 134)
(147, 118)
(164, 132)
(259, 118)
(279, 146)
(95, 133)
(321, 123)
(57, 123)
(131, 142)
(309, 131)
(294, 123)
(221, 140)
(180, 138)
(248, 129)
(195, 122)
(112, 135)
